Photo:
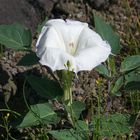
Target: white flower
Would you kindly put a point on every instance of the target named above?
(62, 41)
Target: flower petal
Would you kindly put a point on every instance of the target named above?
(69, 31)
(91, 51)
(56, 59)
(48, 39)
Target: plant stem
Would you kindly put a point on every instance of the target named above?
(99, 114)
(68, 96)
(11, 111)
(66, 78)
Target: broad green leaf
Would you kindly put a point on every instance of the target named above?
(133, 76)
(81, 126)
(132, 80)
(107, 34)
(15, 36)
(29, 60)
(45, 87)
(39, 114)
(133, 86)
(130, 63)
(67, 134)
(77, 107)
(118, 84)
(102, 70)
(40, 26)
(112, 125)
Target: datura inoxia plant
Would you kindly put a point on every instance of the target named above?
(62, 41)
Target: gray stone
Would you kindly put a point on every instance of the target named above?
(19, 11)
(97, 4)
(47, 5)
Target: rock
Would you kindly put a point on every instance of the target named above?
(60, 10)
(47, 5)
(19, 11)
(101, 4)
(98, 4)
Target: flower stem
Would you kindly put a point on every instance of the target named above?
(66, 79)
(67, 96)
(66, 83)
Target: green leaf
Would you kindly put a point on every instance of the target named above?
(133, 86)
(82, 129)
(40, 26)
(102, 70)
(118, 94)
(81, 126)
(113, 125)
(45, 87)
(67, 134)
(132, 80)
(29, 60)
(39, 114)
(118, 84)
(130, 63)
(15, 36)
(77, 107)
(107, 33)
(133, 76)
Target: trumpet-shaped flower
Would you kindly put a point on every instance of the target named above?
(62, 41)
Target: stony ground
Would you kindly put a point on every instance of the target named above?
(123, 15)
